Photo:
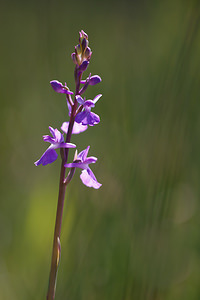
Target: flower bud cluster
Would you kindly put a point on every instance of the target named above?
(82, 52)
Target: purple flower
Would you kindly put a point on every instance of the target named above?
(60, 88)
(82, 162)
(92, 80)
(77, 128)
(86, 117)
(57, 141)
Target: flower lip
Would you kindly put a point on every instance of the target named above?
(88, 178)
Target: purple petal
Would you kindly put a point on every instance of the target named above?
(86, 153)
(59, 87)
(92, 119)
(83, 154)
(48, 157)
(48, 138)
(90, 160)
(97, 98)
(81, 116)
(65, 145)
(80, 100)
(52, 130)
(88, 178)
(65, 126)
(77, 128)
(58, 136)
(79, 165)
(95, 79)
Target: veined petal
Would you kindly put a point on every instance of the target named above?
(88, 178)
(92, 119)
(47, 157)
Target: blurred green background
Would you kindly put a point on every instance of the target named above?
(137, 238)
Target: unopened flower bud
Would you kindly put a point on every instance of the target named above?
(88, 53)
(60, 88)
(94, 79)
(84, 44)
(83, 66)
(73, 56)
(82, 35)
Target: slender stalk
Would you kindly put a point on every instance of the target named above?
(57, 231)
(61, 197)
